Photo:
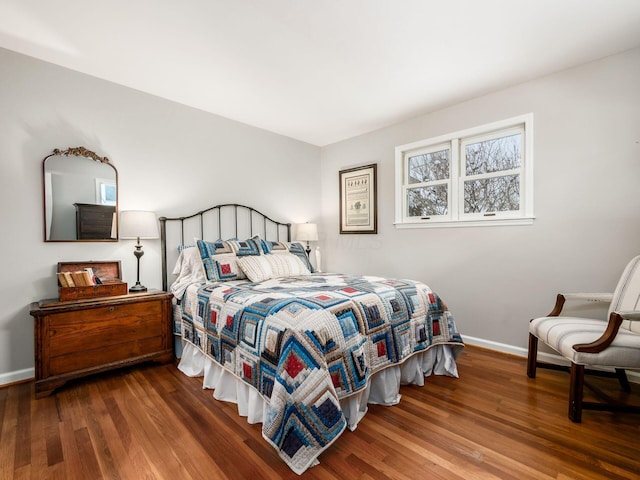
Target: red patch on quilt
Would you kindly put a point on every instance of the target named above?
(349, 290)
(432, 298)
(436, 327)
(225, 268)
(229, 321)
(382, 349)
(214, 316)
(335, 379)
(294, 366)
(323, 297)
(247, 371)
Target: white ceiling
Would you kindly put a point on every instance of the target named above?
(319, 70)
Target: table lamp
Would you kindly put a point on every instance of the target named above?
(307, 232)
(138, 224)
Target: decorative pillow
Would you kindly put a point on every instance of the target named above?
(298, 250)
(264, 267)
(287, 265)
(262, 247)
(219, 260)
(223, 267)
(270, 247)
(243, 248)
(283, 247)
(256, 268)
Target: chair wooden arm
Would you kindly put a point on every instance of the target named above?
(587, 297)
(557, 309)
(615, 320)
(590, 297)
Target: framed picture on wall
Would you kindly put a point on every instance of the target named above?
(358, 200)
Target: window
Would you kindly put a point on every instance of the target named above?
(480, 176)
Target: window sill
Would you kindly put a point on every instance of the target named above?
(497, 222)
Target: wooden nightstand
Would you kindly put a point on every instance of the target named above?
(78, 338)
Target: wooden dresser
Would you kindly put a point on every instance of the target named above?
(77, 338)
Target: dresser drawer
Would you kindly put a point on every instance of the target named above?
(82, 330)
(88, 358)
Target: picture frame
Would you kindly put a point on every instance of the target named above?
(359, 200)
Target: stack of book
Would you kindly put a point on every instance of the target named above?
(87, 280)
(80, 278)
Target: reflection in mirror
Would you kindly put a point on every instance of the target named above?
(80, 196)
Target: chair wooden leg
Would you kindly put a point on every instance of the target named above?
(532, 356)
(622, 378)
(575, 393)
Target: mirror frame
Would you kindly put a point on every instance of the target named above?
(76, 152)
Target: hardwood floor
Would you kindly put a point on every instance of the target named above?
(148, 423)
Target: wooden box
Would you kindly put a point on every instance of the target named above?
(108, 272)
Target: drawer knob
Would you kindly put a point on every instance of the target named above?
(112, 309)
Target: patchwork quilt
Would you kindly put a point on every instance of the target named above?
(306, 342)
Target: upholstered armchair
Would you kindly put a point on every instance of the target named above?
(610, 346)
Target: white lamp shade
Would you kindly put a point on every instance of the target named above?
(307, 232)
(138, 224)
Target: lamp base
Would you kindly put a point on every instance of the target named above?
(137, 288)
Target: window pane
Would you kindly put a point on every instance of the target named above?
(429, 167)
(427, 201)
(494, 155)
(496, 194)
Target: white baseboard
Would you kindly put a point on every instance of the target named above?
(17, 376)
(634, 376)
(491, 345)
(512, 350)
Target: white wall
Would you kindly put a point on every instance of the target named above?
(587, 179)
(171, 159)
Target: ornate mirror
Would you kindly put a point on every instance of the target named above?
(80, 197)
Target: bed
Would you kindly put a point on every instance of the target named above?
(301, 352)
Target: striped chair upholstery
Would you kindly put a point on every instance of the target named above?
(562, 333)
(614, 344)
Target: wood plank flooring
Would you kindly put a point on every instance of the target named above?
(148, 422)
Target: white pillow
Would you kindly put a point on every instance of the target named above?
(264, 267)
(189, 262)
(287, 265)
(256, 267)
(189, 269)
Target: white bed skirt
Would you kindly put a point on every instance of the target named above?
(383, 387)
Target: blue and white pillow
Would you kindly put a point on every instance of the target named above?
(247, 247)
(219, 261)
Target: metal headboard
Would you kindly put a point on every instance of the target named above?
(221, 221)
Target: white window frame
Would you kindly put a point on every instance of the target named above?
(456, 141)
(447, 182)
